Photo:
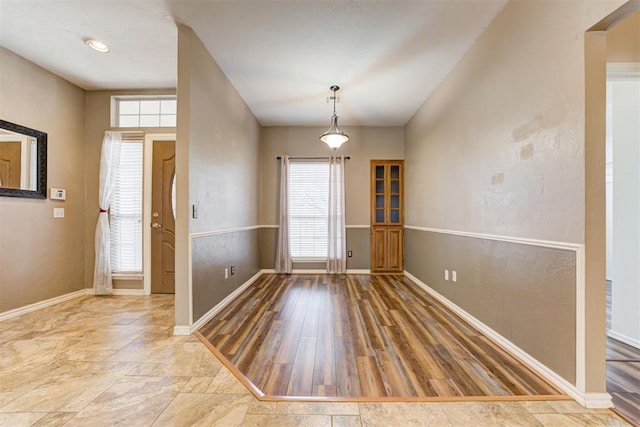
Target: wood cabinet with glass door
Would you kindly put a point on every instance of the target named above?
(387, 216)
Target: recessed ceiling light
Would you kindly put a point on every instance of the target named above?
(97, 45)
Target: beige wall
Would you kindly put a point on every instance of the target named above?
(42, 257)
(623, 40)
(366, 143)
(217, 167)
(98, 120)
(499, 147)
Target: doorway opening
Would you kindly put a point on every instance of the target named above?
(623, 235)
(621, 55)
(601, 44)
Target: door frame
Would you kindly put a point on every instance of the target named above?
(146, 204)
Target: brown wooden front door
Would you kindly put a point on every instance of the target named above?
(163, 224)
(10, 164)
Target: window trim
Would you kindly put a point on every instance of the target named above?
(324, 161)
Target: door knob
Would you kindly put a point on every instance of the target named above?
(156, 225)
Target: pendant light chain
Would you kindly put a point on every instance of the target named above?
(334, 99)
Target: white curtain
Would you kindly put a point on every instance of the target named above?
(109, 162)
(283, 252)
(337, 253)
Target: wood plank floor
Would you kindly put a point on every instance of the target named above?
(352, 336)
(623, 373)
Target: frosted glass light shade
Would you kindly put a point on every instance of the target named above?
(334, 137)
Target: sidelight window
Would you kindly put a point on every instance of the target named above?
(126, 211)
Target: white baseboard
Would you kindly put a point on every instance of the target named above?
(42, 304)
(129, 292)
(624, 338)
(319, 271)
(181, 330)
(358, 271)
(308, 271)
(589, 400)
(595, 400)
(222, 304)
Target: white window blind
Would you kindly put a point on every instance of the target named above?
(126, 211)
(308, 209)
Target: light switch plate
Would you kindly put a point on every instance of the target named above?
(58, 212)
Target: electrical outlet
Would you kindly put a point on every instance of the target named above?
(446, 274)
(226, 273)
(454, 276)
(349, 254)
(233, 270)
(58, 212)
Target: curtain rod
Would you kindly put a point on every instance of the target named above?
(312, 158)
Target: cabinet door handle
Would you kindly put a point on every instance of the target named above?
(156, 225)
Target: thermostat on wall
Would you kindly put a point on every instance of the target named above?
(58, 194)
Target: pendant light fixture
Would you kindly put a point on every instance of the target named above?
(334, 137)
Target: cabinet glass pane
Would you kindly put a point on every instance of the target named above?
(395, 172)
(395, 187)
(380, 202)
(395, 216)
(379, 186)
(395, 202)
(379, 215)
(379, 172)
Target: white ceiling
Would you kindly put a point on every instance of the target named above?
(281, 55)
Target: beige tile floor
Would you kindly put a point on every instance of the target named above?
(104, 361)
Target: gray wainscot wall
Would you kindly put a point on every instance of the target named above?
(524, 292)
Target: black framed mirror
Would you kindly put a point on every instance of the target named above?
(23, 161)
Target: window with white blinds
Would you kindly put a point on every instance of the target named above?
(308, 210)
(126, 211)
